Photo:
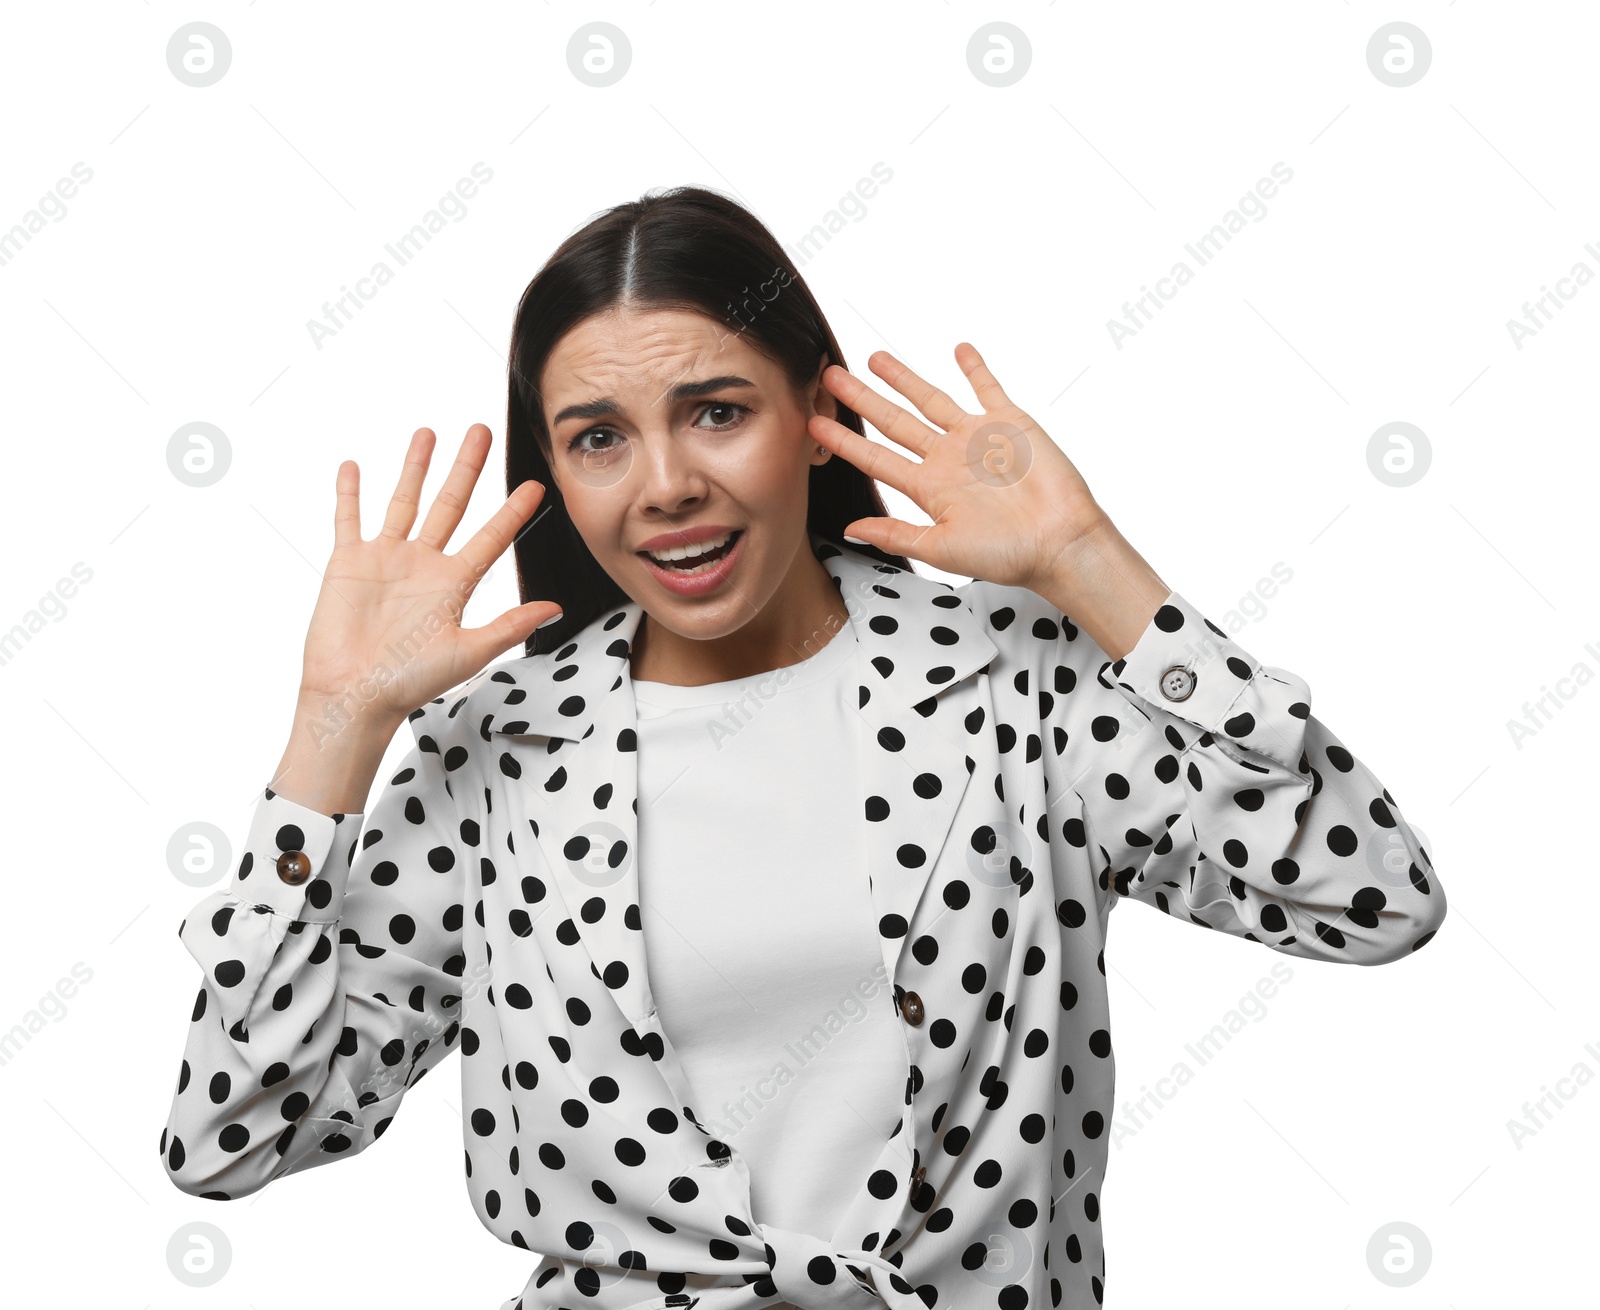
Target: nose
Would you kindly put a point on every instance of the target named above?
(672, 480)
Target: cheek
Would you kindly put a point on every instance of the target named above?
(584, 507)
(595, 514)
(770, 466)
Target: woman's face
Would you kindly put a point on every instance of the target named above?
(666, 428)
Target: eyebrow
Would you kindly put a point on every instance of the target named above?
(683, 391)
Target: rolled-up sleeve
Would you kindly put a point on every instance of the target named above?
(1215, 795)
(1199, 781)
(331, 981)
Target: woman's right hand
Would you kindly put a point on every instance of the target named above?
(386, 634)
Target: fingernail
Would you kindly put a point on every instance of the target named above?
(554, 618)
(856, 540)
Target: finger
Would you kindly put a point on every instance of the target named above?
(347, 504)
(874, 460)
(989, 392)
(489, 542)
(935, 404)
(444, 516)
(893, 536)
(402, 512)
(894, 422)
(512, 628)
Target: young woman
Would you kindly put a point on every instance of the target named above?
(765, 897)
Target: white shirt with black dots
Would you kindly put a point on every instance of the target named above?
(1013, 785)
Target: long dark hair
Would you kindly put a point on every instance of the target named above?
(686, 248)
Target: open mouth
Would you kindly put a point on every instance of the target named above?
(698, 558)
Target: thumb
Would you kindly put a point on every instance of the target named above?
(891, 536)
(512, 628)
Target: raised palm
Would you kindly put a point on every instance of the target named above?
(385, 634)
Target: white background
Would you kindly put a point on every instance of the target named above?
(1229, 436)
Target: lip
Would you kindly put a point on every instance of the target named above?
(686, 536)
(701, 583)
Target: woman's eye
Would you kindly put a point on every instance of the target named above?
(592, 432)
(731, 415)
(735, 412)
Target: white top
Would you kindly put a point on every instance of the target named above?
(760, 931)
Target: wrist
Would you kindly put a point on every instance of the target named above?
(1106, 587)
(330, 720)
(328, 765)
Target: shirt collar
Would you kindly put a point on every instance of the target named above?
(916, 637)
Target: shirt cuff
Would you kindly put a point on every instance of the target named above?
(1185, 665)
(296, 860)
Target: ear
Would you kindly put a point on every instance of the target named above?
(550, 462)
(822, 400)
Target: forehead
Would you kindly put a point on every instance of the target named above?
(640, 352)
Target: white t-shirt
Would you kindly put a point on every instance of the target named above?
(760, 934)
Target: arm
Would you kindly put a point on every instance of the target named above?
(1203, 784)
(1215, 795)
(1212, 792)
(321, 1003)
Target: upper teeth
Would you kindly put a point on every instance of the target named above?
(689, 552)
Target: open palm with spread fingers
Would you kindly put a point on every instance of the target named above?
(1006, 502)
(386, 634)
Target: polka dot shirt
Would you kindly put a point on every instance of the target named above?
(1017, 785)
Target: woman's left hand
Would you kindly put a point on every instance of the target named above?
(1007, 504)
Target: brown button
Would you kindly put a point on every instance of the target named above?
(917, 1177)
(294, 867)
(911, 1008)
